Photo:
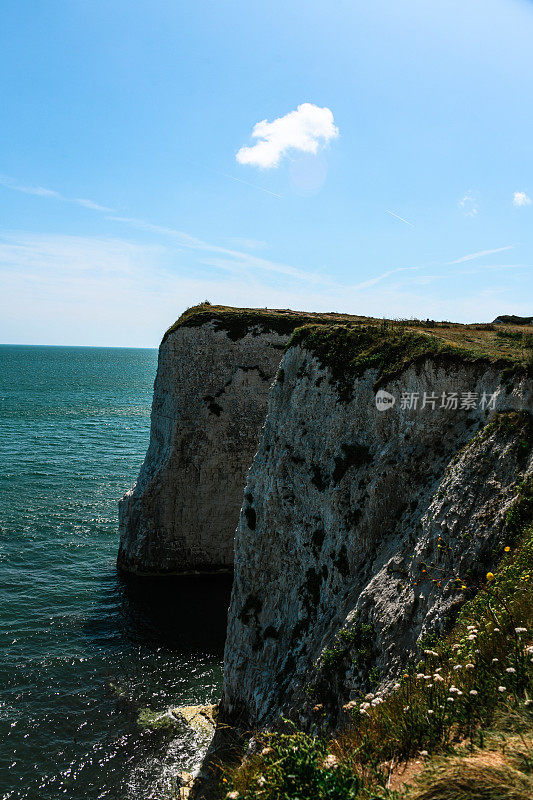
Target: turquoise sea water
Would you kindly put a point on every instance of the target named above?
(81, 648)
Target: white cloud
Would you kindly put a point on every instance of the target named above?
(521, 199)
(306, 129)
(469, 205)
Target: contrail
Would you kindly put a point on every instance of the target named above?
(253, 185)
(398, 217)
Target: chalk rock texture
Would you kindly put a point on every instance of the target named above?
(210, 399)
(360, 529)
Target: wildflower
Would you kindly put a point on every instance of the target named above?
(502, 689)
(456, 647)
(427, 677)
(266, 751)
(431, 653)
(473, 692)
(529, 650)
(261, 780)
(369, 696)
(528, 703)
(472, 637)
(490, 577)
(510, 670)
(430, 711)
(364, 706)
(232, 795)
(439, 669)
(362, 711)
(458, 666)
(496, 630)
(330, 761)
(318, 708)
(469, 666)
(420, 675)
(396, 686)
(506, 549)
(520, 630)
(453, 690)
(424, 753)
(450, 699)
(495, 660)
(406, 708)
(471, 627)
(437, 677)
(376, 701)
(463, 586)
(349, 706)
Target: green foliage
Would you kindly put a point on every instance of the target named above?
(347, 351)
(296, 766)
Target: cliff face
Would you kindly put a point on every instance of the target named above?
(363, 530)
(209, 404)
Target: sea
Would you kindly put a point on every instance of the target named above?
(85, 650)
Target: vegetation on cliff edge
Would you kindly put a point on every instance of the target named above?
(462, 717)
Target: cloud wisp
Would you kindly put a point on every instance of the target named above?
(40, 191)
(481, 254)
(306, 129)
(521, 199)
(469, 205)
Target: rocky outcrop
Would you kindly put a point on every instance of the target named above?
(363, 530)
(214, 373)
(209, 404)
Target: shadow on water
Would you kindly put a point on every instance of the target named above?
(183, 613)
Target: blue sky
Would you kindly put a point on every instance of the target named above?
(123, 201)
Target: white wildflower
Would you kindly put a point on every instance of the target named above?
(330, 761)
(431, 653)
(396, 686)
(261, 780)
(502, 689)
(472, 637)
(369, 696)
(420, 675)
(495, 660)
(456, 647)
(496, 630)
(437, 677)
(469, 666)
(453, 690)
(450, 699)
(232, 795)
(473, 692)
(520, 630)
(430, 711)
(406, 708)
(424, 753)
(510, 670)
(528, 703)
(458, 666)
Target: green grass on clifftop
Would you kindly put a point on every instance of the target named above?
(349, 344)
(348, 350)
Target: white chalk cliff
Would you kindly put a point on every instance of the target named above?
(360, 530)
